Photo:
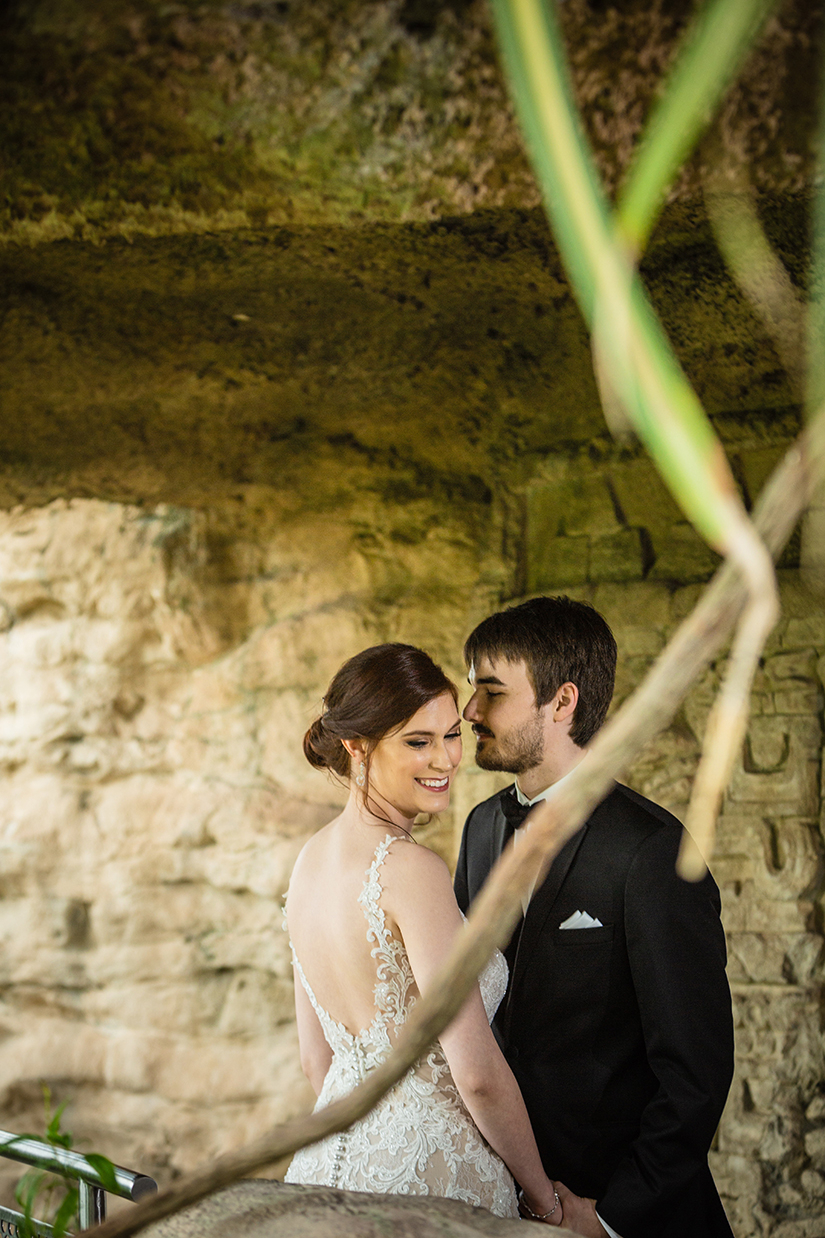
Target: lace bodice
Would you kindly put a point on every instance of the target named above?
(394, 980)
(420, 1139)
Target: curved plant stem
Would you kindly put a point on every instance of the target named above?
(636, 368)
(709, 59)
(757, 269)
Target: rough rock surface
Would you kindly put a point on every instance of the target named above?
(155, 797)
(121, 119)
(254, 1209)
(444, 361)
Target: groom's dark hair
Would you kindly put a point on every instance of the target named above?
(560, 641)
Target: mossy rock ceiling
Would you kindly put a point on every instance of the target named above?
(151, 117)
(449, 355)
(298, 246)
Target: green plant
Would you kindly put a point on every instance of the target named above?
(51, 1193)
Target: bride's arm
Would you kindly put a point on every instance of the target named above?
(316, 1054)
(418, 894)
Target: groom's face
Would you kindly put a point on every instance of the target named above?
(509, 728)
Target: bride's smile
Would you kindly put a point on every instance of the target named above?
(411, 769)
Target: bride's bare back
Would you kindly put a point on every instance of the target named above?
(327, 924)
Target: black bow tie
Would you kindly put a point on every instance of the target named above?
(513, 810)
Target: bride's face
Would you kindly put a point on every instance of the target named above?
(412, 768)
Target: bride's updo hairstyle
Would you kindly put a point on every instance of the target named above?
(372, 694)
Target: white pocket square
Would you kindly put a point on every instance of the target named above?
(580, 920)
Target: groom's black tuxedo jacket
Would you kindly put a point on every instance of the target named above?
(620, 1036)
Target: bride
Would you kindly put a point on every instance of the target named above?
(371, 917)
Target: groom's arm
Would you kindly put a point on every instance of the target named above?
(676, 947)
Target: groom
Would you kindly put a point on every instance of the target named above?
(617, 1021)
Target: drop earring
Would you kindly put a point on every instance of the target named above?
(360, 777)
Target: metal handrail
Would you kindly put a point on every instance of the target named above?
(69, 1164)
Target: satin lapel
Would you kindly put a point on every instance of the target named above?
(540, 908)
(498, 834)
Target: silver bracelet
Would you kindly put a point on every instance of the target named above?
(535, 1216)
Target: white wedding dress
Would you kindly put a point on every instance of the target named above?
(419, 1139)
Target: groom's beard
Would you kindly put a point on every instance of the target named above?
(520, 749)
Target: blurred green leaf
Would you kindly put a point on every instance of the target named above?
(105, 1168)
(709, 59)
(66, 1212)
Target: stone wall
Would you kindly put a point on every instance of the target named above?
(154, 694)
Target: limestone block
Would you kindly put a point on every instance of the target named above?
(775, 1024)
(171, 809)
(744, 909)
(800, 700)
(741, 1129)
(280, 734)
(640, 642)
(767, 745)
(633, 607)
(762, 704)
(815, 1111)
(557, 563)
(34, 810)
(574, 503)
(780, 767)
(806, 630)
(184, 1006)
(226, 1070)
(304, 651)
(734, 1174)
(680, 554)
(791, 958)
(141, 914)
(781, 853)
(815, 1147)
(255, 1003)
(810, 1227)
(684, 600)
(642, 497)
(56, 1048)
(813, 1183)
(261, 870)
(156, 961)
(231, 946)
(799, 664)
(623, 555)
(756, 465)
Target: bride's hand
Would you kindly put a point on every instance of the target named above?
(547, 1211)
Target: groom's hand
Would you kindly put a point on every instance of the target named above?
(580, 1214)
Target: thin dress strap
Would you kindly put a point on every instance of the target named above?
(394, 976)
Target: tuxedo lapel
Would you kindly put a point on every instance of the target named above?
(500, 833)
(523, 945)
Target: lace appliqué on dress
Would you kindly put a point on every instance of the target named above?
(420, 1138)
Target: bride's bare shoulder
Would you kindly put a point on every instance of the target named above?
(315, 849)
(411, 865)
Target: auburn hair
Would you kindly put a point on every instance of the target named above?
(373, 694)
